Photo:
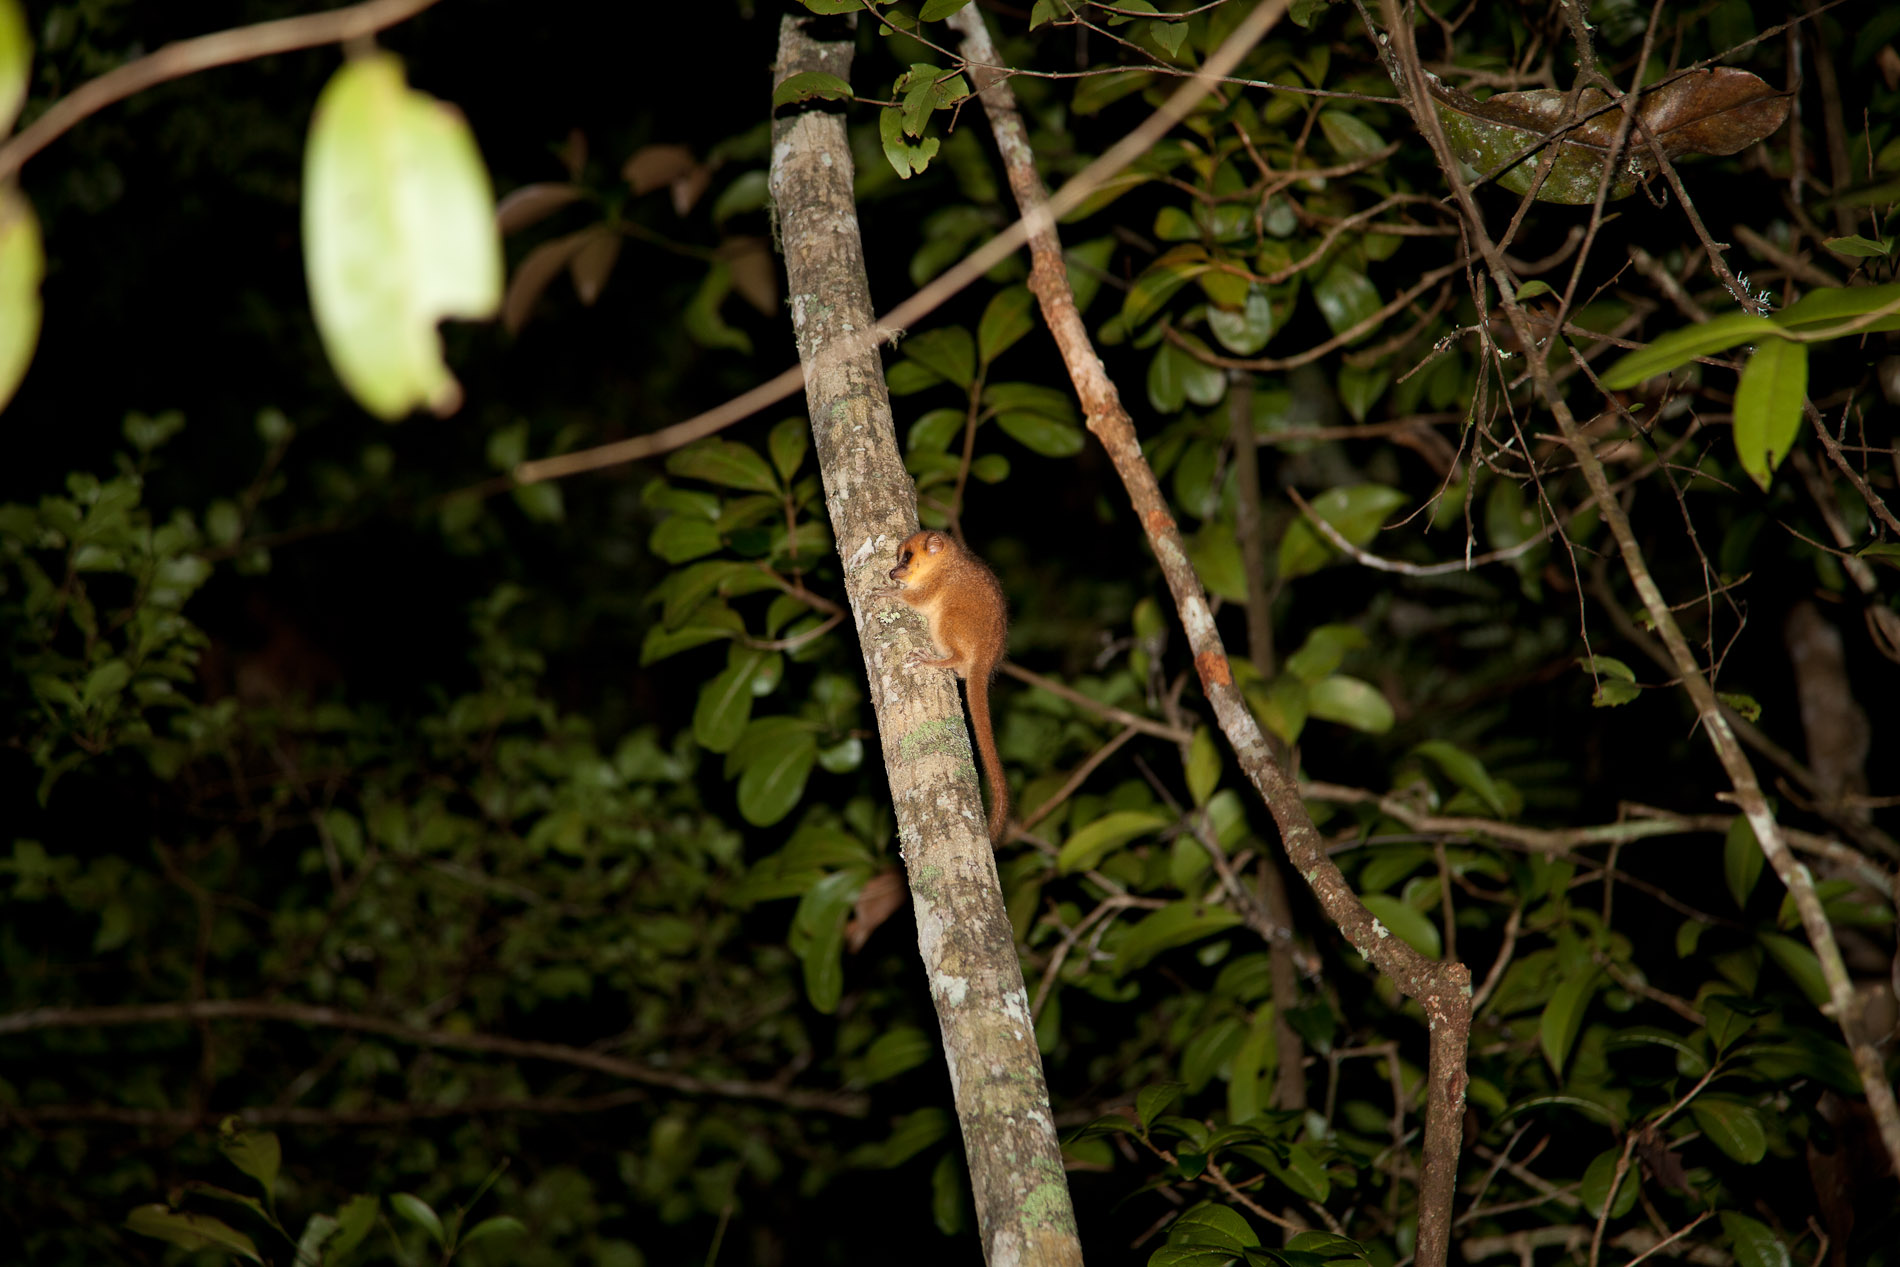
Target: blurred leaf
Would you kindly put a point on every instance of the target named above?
(22, 264)
(16, 65)
(1732, 1126)
(1176, 924)
(1203, 765)
(1087, 847)
(949, 353)
(1856, 247)
(1754, 1243)
(399, 233)
(421, 1213)
(487, 1229)
(788, 443)
(1009, 316)
(1595, 1188)
(190, 1231)
(256, 1153)
(1562, 1020)
(1346, 297)
(1350, 702)
(1406, 922)
(1800, 963)
(724, 462)
(1741, 860)
(1466, 771)
(1358, 511)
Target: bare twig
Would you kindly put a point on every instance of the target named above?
(494, 1044)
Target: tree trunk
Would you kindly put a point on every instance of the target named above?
(969, 952)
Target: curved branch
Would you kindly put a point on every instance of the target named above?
(188, 57)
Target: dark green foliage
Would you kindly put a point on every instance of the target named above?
(521, 859)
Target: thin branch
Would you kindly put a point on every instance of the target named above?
(188, 57)
(494, 1044)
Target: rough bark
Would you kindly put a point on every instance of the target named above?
(1023, 1209)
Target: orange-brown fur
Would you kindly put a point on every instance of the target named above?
(962, 603)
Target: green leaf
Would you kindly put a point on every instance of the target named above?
(355, 1220)
(1823, 310)
(949, 353)
(1304, 1175)
(725, 703)
(1152, 1102)
(1190, 377)
(399, 233)
(1562, 1020)
(895, 1051)
(1533, 288)
(1096, 92)
(1768, 406)
(1350, 136)
(1800, 963)
(725, 462)
(1215, 1227)
(1406, 922)
(1466, 771)
(1045, 11)
(1607, 666)
(1244, 331)
(1732, 1126)
(1360, 389)
(818, 935)
(1176, 924)
(1041, 419)
(256, 1153)
(1203, 765)
(788, 443)
(1358, 511)
(1008, 317)
(16, 64)
(772, 781)
(1323, 651)
(190, 1231)
(1857, 247)
(1755, 1244)
(1346, 297)
(936, 10)
(904, 155)
(22, 264)
(808, 84)
(933, 432)
(419, 1212)
(1350, 702)
(1150, 292)
(318, 1231)
(949, 1195)
(1741, 860)
(678, 538)
(1679, 347)
(1595, 1188)
(499, 1225)
(1097, 840)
